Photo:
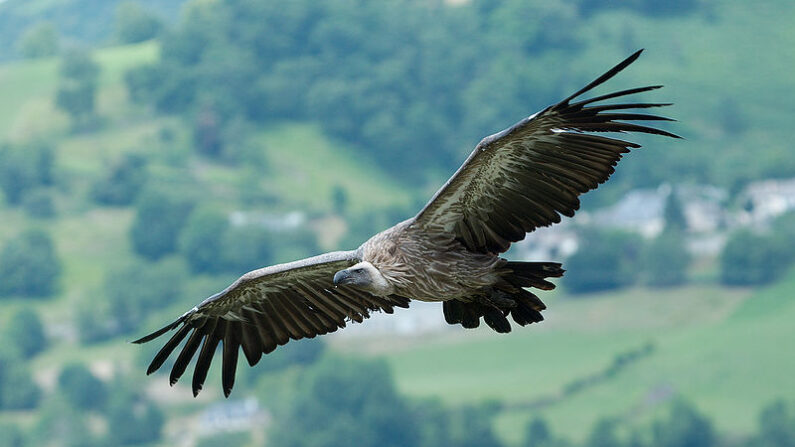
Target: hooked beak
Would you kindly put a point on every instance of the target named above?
(342, 277)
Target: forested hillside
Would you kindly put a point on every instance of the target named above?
(150, 152)
(78, 22)
(415, 89)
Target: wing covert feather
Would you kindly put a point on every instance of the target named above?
(263, 309)
(529, 174)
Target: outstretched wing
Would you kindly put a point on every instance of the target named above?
(264, 309)
(527, 175)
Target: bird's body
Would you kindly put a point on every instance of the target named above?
(399, 254)
(516, 180)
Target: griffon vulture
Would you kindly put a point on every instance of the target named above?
(514, 181)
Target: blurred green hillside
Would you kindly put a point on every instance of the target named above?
(721, 349)
(248, 133)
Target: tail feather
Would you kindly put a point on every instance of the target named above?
(453, 311)
(509, 297)
(532, 274)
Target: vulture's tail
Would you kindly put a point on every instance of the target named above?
(508, 297)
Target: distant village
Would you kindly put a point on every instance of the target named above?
(708, 215)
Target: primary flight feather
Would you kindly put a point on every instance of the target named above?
(514, 181)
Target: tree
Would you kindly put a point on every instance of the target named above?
(295, 243)
(17, 389)
(674, 213)
(246, 248)
(135, 290)
(783, 235)
(132, 419)
(302, 354)
(473, 426)
(605, 260)
(538, 434)
(11, 435)
(207, 132)
(26, 333)
(776, 426)
(339, 199)
(666, 260)
(159, 218)
(684, 427)
(38, 204)
(135, 24)
(23, 168)
(603, 434)
(29, 265)
(81, 388)
(131, 293)
(201, 240)
(751, 259)
(77, 85)
(464, 426)
(339, 400)
(123, 182)
(39, 40)
(59, 424)
(435, 427)
(142, 82)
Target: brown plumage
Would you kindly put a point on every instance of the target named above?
(517, 180)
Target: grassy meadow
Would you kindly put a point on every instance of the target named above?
(720, 348)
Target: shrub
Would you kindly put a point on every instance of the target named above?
(26, 333)
(11, 435)
(24, 167)
(247, 248)
(17, 389)
(124, 181)
(135, 290)
(29, 265)
(159, 218)
(752, 259)
(351, 399)
(666, 260)
(201, 241)
(38, 204)
(77, 86)
(135, 24)
(132, 419)
(605, 260)
(39, 40)
(685, 426)
(81, 388)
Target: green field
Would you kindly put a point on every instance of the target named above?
(721, 348)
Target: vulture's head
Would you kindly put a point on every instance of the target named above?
(364, 276)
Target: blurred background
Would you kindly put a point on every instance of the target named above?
(152, 151)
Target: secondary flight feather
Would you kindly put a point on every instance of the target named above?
(513, 182)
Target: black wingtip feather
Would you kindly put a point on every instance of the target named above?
(167, 349)
(205, 359)
(181, 364)
(627, 92)
(609, 74)
(229, 364)
(158, 332)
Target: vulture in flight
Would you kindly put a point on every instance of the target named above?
(513, 182)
